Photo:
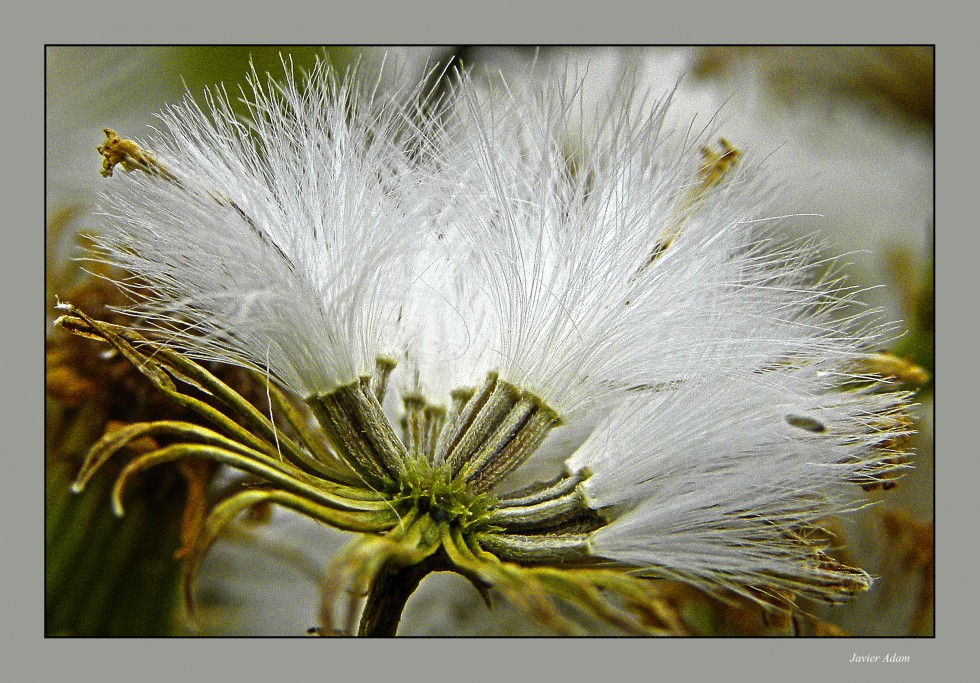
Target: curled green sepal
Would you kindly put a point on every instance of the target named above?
(269, 470)
(627, 602)
(156, 361)
(114, 441)
(230, 508)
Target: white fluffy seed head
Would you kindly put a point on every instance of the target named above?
(700, 363)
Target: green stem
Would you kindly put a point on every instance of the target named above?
(389, 593)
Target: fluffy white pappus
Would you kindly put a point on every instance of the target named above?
(444, 327)
(277, 247)
(711, 479)
(605, 264)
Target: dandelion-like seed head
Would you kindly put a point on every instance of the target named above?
(444, 291)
